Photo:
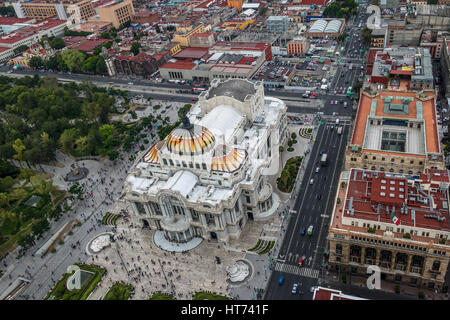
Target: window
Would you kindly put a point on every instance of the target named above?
(197, 166)
(171, 162)
(204, 166)
(374, 158)
(436, 265)
(165, 161)
(338, 249)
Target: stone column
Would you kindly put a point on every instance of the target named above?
(377, 260)
(408, 264)
(203, 220)
(148, 209)
(184, 236)
(393, 261)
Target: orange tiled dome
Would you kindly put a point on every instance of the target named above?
(227, 159)
(191, 141)
(152, 155)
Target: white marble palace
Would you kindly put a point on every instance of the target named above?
(208, 177)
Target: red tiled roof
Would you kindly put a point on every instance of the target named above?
(200, 35)
(192, 53)
(26, 32)
(401, 72)
(183, 65)
(311, 2)
(366, 195)
(12, 20)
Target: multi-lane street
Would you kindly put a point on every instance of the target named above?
(313, 207)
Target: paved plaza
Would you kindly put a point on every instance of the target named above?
(134, 257)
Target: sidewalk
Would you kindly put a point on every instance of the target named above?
(406, 291)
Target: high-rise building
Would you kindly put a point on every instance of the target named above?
(117, 12)
(55, 8)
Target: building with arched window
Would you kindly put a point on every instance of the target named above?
(208, 177)
(398, 223)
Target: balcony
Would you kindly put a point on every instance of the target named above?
(417, 270)
(400, 267)
(385, 265)
(175, 223)
(265, 193)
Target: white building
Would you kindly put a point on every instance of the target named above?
(209, 176)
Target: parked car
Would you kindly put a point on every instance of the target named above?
(303, 231)
(281, 281)
(310, 230)
(300, 262)
(294, 288)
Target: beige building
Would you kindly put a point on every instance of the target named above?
(297, 46)
(116, 12)
(81, 10)
(204, 40)
(184, 34)
(386, 220)
(395, 131)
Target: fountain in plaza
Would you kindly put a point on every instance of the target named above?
(76, 173)
(100, 242)
(238, 272)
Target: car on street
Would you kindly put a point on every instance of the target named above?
(310, 230)
(339, 91)
(311, 181)
(317, 169)
(281, 281)
(303, 231)
(294, 288)
(300, 262)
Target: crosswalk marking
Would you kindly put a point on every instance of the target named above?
(289, 268)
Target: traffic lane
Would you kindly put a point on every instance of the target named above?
(301, 195)
(275, 291)
(310, 211)
(333, 189)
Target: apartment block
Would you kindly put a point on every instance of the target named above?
(117, 12)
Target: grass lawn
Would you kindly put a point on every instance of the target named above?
(288, 175)
(9, 245)
(119, 291)
(161, 296)
(60, 291)
(208, 296)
